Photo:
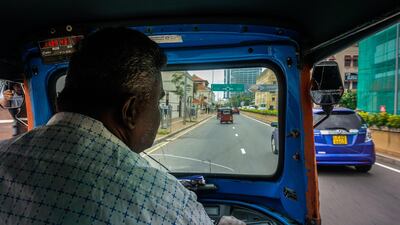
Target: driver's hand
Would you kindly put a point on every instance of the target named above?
(8, 95)
(230, 220)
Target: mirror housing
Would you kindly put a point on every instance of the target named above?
(274, 124)
(326, 85)
(11, 94)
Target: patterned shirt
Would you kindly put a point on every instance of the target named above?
(74, 171)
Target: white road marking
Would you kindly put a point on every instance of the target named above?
(233, 127)
(388, 167)
(155, 148)
(236, 135)
(193, 159)
(256, 120)
(243, 151)
(162, 144)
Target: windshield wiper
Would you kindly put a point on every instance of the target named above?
(337, 128)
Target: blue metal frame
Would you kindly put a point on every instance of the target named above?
(273, 44)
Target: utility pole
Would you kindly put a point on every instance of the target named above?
(184, 100)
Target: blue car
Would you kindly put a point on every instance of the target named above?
(342, 139)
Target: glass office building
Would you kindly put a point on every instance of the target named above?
(246, 76)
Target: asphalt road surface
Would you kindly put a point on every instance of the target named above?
(239, 147)
(347, 197)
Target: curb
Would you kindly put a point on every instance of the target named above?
(178, 131)
(387, 159)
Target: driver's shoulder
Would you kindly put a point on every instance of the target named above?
(160, 187)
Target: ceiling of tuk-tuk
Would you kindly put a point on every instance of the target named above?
(323, 26)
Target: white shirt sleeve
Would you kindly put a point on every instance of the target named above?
(194, 213)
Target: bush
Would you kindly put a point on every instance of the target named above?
(381, 119)
(393, 121)
(349, 100)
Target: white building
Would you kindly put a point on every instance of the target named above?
(171, 97)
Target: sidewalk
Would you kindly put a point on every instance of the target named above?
(177, 126)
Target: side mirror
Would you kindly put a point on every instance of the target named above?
(274, 124)
(326, 85)
(11, 94)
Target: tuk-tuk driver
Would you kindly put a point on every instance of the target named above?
(84, 166)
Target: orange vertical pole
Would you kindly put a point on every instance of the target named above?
(312, 194)
(28, 105)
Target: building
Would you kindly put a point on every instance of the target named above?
(348, 66)
(378, 88)
(267, 99)
(246, 76)
(172, 97)
(203, 96)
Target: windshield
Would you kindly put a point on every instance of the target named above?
(339, 120)
(194, 138)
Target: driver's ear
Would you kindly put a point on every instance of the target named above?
(129, 112)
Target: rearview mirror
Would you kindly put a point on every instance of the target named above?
(326, 84)
(11, 94)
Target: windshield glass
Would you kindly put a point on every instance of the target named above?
(194, 138)
(339, 120)
(236, 142)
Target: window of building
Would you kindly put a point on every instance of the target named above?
(354, 85)
(347, 60)
(355, 60)
(273, 99)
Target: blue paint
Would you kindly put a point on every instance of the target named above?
(204, 44)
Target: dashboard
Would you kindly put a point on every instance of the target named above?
(247, 215)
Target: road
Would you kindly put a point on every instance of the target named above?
(347, 197)
(239, 147)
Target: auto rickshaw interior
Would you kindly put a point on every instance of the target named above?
(285, 37)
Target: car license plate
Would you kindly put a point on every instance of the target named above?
(339, 140)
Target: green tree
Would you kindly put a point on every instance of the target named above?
(178, 81)
(247, 98)
(349, 100)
